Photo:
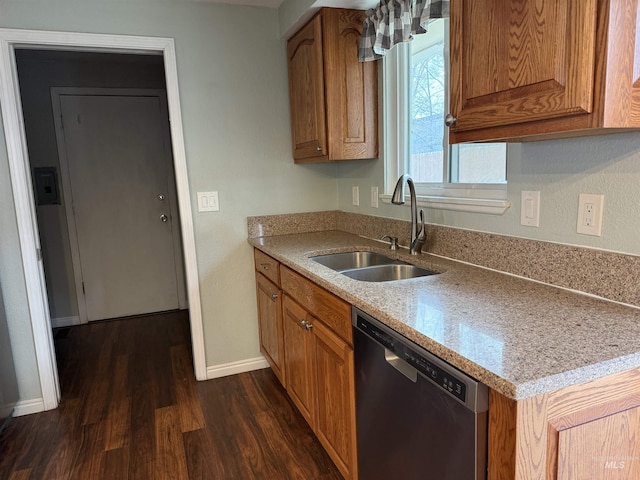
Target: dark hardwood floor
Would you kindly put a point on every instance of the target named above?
(131, 409)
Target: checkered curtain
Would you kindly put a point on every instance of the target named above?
(395, 21)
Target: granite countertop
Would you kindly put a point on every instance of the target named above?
(520, 337)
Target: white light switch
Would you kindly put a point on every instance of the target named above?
(530, 209)
(355, 194)
(208, 202)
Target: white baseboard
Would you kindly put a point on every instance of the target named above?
(232, 368)
(27, 407)
(65, 321)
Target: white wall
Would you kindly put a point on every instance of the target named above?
(233, 90)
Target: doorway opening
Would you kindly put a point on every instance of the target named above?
(12, 42)
(97, 131)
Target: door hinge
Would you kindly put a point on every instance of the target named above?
(39, 254)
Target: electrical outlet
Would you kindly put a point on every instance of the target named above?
(374, 197)
(590, 209)
(355, 194)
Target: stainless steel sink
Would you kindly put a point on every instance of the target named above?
(350, 260)
(388, 273)
(371, 266)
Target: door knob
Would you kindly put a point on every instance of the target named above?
(164, 218)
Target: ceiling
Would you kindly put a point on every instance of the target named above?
(357, 4)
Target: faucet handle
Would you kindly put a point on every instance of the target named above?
(393, 241)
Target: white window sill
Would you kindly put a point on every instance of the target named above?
(473, 205)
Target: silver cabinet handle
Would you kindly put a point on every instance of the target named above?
(161, 196)
(306, 325)
(450, 120)
(274, 296)
(164, 218)
(265, 266)
(318, 149)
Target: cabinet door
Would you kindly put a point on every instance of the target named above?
(270, 322)
(306, 92)
(520, 61)
(299, 359)
(336, 416)
(351, 88)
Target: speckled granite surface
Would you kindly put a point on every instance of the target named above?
(520, 337)
(609, 275)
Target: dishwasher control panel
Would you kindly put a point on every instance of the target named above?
(429, 368)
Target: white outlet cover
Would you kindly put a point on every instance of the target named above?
(594, 225)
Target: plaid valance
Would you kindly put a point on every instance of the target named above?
(395, 21)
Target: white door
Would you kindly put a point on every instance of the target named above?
(118, 160)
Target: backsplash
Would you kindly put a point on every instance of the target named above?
(614, 276)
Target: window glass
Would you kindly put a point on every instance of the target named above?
(431, 159)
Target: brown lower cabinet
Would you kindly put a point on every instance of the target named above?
(310, 349)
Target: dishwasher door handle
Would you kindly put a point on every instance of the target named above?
(400, 365)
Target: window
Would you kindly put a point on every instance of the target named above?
(446, 176)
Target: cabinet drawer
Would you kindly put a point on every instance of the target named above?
(334, 312)
(267, 266)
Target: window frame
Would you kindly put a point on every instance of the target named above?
(478, 198)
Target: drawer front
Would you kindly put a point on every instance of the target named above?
(267, 266)
(331, 310)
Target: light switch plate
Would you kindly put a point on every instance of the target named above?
(208, 202)
(530, 208)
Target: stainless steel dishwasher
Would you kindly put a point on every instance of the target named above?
(417, 416)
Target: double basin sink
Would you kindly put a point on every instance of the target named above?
(371, 266)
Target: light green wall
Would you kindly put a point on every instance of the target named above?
(233, 90)
(560, 170)
(290, 12)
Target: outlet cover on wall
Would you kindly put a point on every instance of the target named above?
(590, 208)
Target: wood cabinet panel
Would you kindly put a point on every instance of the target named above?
(333, 97)
(604, 449)
(270, 325)
(267, 266)
(541, 69)
(333, 311)
(335, 421)
(565, 433)
(306, 91)
(300, 368)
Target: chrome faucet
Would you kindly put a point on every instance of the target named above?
(418, 235)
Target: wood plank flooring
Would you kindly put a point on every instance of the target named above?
(131, 409)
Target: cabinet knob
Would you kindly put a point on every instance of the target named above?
(306, 325)
(318, 149)
(450, 120)
(274, 296)
(265, 266)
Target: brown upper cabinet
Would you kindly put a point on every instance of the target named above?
(334, 104)
(541, 69)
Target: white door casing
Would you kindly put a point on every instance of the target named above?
(115, 161)
(15, 139)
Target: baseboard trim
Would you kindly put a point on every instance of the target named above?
(233, 368)
(27, 407)
(65, 321)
